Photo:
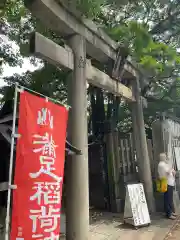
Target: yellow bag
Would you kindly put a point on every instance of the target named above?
(161, 185)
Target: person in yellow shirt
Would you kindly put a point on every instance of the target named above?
(166, 171)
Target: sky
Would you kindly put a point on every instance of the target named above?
(9, 71)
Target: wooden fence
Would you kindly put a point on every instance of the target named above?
(122, 167)
(112, 165)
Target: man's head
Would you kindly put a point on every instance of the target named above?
(163, 157)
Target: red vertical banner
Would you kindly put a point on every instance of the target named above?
(39, 169)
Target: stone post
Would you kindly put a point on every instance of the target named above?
(143, 161)
(77, 179)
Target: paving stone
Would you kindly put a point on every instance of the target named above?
(110, 227)
(97, 236)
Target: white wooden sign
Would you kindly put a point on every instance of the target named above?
(136, 209)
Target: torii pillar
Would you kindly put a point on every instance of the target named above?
(77, 186)
(144, 167)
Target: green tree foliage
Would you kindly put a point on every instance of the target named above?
(16, 26)
(150, 31)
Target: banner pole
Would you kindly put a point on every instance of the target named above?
(11, 165)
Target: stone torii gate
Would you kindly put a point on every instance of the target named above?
(85, 39)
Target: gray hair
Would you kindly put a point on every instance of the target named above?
(163, 157)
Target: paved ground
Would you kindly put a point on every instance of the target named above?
(174, 233)
(108, 226)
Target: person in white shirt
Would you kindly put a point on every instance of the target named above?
(166, 171)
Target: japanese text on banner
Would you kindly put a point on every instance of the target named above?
(47, 194)
(39, 169)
